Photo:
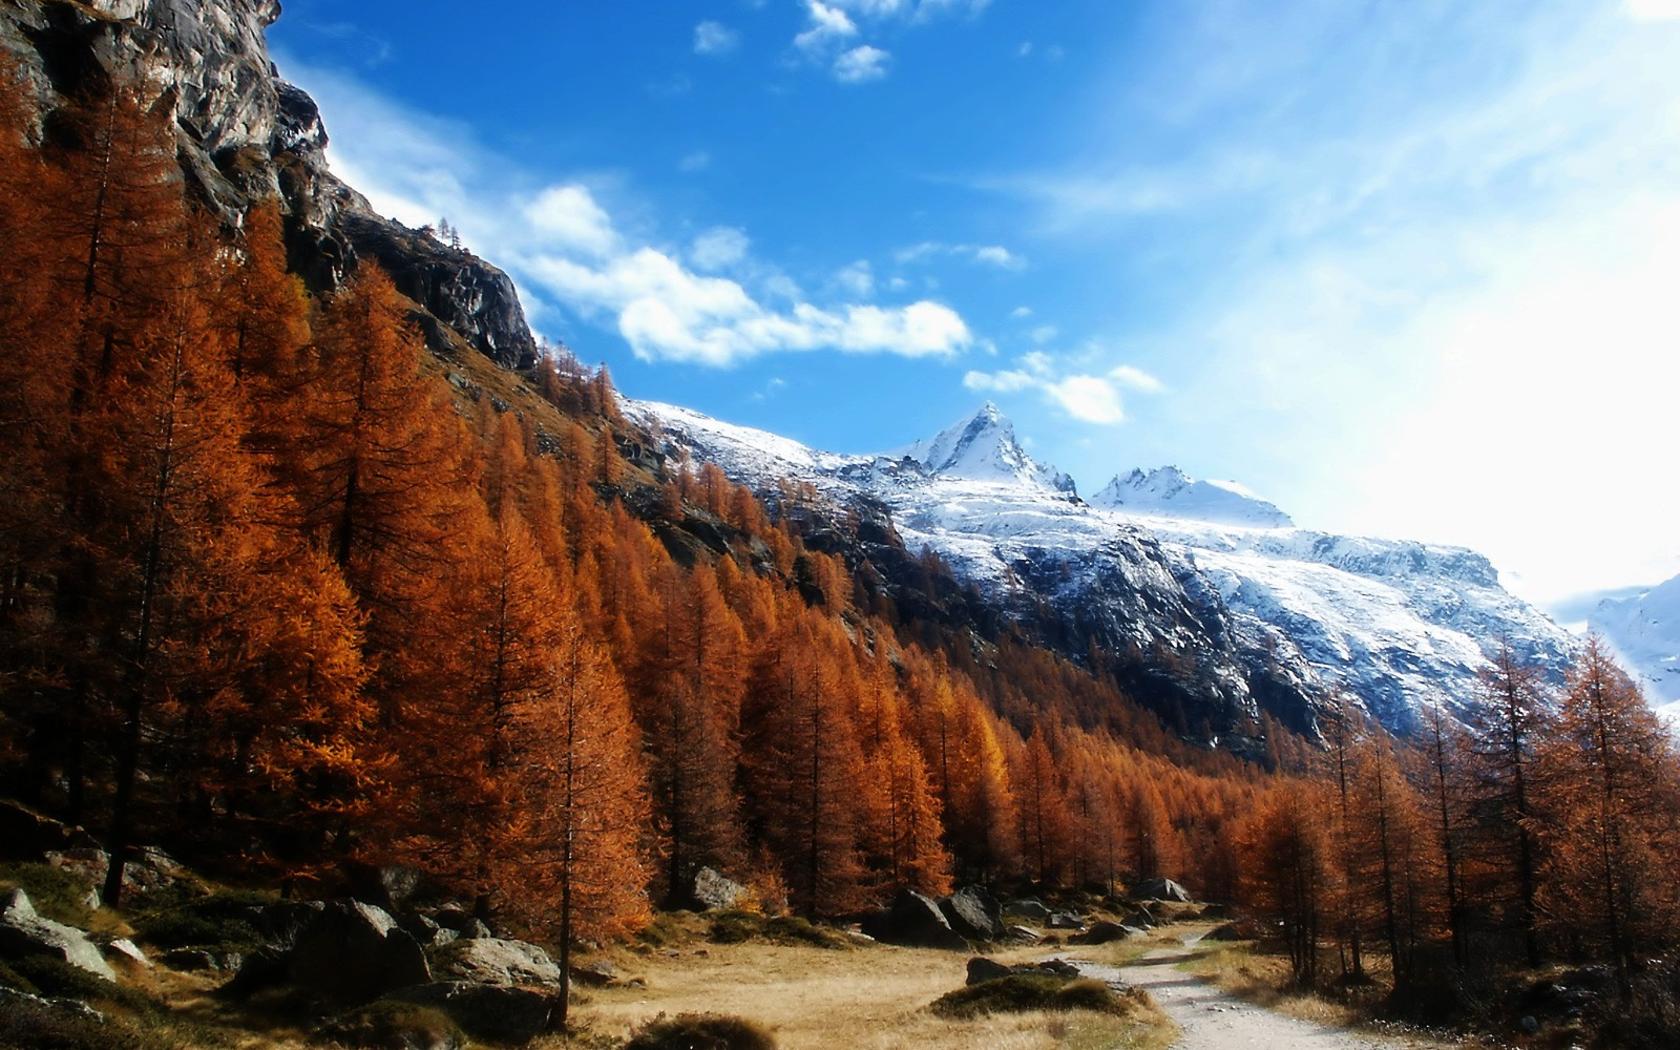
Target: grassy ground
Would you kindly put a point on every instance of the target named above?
(871, 998)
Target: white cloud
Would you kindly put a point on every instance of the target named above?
(857, 279)
(719, 248)
(1005, 382)
(1044, 333)
(715, 38)
(861, 64)
(1089, 399)
(1135, 378)
(828, 25)
(568, 217)
(697, 160)
(1021, 312)
(1082, 397)
(564, 249)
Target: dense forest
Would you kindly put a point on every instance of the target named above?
(276, 591)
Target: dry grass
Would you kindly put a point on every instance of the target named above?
(870, 999)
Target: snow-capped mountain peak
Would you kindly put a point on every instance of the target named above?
(983, 447)
(1168, 492)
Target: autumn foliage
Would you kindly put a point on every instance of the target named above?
(272, 588)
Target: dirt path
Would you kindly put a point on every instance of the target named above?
(1209, 1019)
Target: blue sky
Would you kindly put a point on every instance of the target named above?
(1404, 268)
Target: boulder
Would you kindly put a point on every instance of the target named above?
(1024, 934)
(462, 924)
(1240, 930)
(12, 999)
(711, 889)
(355, 951)
(1028, 909)
(127, 951)
(914, 920)
(489, 960)
(1140, 917)
(23, 934)
(1161, 890)
(1063, 920)
(486, 1011)
(148, 870)
(596, 973)
(426, 931)
(982, 969)
(972, 913)
(262, 969)
(280, 923)
(1106, 933)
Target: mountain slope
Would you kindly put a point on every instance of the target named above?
(1254, 619)
(1644, 631)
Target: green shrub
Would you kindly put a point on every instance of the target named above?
(668, 929)
(1031, 991)
(385, 1023)
(57, 894)
(700, 1032)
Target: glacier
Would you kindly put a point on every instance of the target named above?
(1643, 632)
(1205, 572)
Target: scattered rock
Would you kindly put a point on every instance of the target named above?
(464, 925)
(514, 1015)
(355, 951)
(1106, 933)
(914, 920)
(1028, 909)
(1239, 930)
(1062, 920)
(981, 968)
(712, 890)
(972, 913)
(488, 960)
(1161, 890)
(23, 933)
(281, 922)
(1529, 1024)
(126, 950)
(1023, 934)
(596, 973)
(426, 931)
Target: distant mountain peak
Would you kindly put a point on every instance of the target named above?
(983, 447)
(1169, 492)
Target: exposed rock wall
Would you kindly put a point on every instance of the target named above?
(245, 136)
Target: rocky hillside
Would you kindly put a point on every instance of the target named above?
(246, 135)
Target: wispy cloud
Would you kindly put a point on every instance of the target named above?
(988, 254)
(567, 249)
(715, 39)
(861, 64)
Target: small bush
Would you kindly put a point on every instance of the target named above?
(668, 929)
(384, 1023)
(57, 894)
(1021, 992)
(700, 1032)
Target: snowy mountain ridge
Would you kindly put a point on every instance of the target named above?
(1171, 493)
(1267, 616)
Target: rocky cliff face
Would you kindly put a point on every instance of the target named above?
(245, 136)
